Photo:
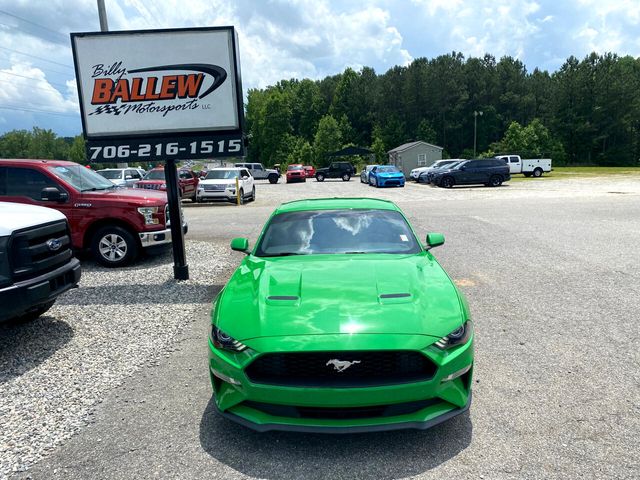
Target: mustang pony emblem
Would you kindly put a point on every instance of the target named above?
(341, 365)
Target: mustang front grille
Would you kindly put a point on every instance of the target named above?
(341, 369)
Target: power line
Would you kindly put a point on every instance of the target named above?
(33, 23)
(39, 58)
(30, 86)
(33, 79)
(35, 110)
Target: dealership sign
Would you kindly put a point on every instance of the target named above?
(159, 94)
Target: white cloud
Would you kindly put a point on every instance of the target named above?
(25, 86)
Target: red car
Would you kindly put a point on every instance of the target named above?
(310, 171)
(296, 173)
(114, 224)
(187, 182)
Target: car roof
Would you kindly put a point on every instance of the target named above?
(31, 161)
(336, 204)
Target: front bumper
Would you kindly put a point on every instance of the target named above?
(227, 195)
(158, 237)
(22, 297)
(242, 401)
(391, 182)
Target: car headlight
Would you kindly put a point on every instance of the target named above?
(459, 336)
(149, 214)
(225, 342)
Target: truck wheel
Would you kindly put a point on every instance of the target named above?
(447, 182)
(537, 172)
(241, 198)
(273, 178)
(320, 177)
(114, 246)
(346, 177)
(495, 181)
(38, 312)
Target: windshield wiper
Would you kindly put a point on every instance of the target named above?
(95, 189)
(354, 253)
(285, 254)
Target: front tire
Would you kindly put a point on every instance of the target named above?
(346, 177)
(273, 178)
(320, 177)
(114, 247)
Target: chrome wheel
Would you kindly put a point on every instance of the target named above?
(112, 247)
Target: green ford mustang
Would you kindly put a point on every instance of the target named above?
(340, 320)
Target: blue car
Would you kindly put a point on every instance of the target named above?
(386, 176)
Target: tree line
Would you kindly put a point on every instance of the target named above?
(42, 143)
(587, 112)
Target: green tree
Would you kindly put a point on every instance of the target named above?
(425, 132)
(15, 144)
(327, 140)
(378, 148)
(77, 151)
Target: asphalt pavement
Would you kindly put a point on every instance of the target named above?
(551, 269)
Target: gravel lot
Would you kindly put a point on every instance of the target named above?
(54, 371)
(550, 269)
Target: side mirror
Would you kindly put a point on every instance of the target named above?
(435, 239)
(245, 177)
(52, 194)
(240, 244)
(463, 168)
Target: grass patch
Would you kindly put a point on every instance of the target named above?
(580, 172)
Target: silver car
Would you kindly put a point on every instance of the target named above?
(122, 177)
(364, 175)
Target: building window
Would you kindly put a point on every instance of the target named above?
(422, 160)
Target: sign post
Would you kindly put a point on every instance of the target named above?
(161, 96)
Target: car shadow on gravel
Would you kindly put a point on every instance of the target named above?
(384, 455)
(24, 346)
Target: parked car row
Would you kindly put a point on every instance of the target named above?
(491, 172)
(114, 225)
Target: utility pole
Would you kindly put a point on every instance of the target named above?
(102, 15)
(475, 129)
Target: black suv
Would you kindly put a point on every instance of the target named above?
(489, 171)
(343, 170)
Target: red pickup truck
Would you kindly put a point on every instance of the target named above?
(187, 182)
(113, 224)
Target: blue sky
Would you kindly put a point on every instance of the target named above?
(301, 38)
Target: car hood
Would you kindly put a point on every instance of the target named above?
(213, 181)
(130, 195)
(333, 294)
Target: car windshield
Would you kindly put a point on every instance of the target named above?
(446, 164)
(387, 170)
(111, 174)
(81, 178)
(337, 232)
(456, 166)
(154, 175)
(222, 174)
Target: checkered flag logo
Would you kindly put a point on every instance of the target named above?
(108, 109)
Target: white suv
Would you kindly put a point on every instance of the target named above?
(220, 184)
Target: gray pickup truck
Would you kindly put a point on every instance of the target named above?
(260, 173)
